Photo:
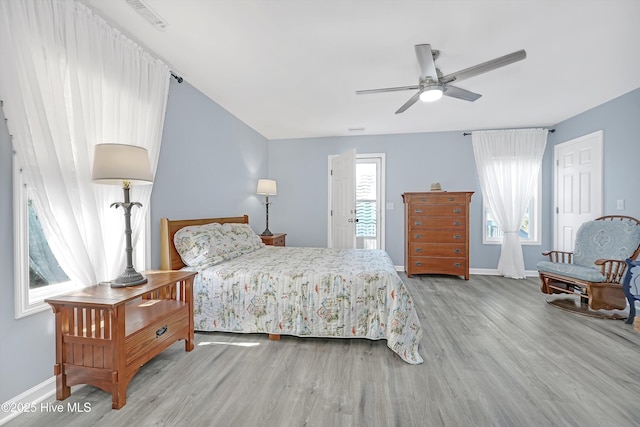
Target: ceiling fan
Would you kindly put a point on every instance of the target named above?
(433, 84)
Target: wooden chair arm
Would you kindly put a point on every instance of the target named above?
(559, 256)
(612, 269)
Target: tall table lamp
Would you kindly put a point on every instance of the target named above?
(267, 187)
(126, 165)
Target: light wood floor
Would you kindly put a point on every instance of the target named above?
(495, 355)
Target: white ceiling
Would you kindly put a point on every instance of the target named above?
(290, 68)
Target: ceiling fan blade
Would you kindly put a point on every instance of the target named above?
(456, 92)
(485, 67)
(409, 103)
(388, 89)
(425, 59)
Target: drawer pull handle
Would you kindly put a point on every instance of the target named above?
(161, 331)
(418, 222)
(418, 264)
(418, 211)
(418, 236)
(457, 265)
(457, 223)
(457, 251)
(457, 236)
(452, 199)
(424, 199)
(418, 249)
(457, 210)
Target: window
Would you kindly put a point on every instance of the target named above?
(366, 205)
(38, 274)
(529, 229)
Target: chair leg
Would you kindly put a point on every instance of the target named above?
(544, 284)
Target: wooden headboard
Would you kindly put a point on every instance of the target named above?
(169, 257)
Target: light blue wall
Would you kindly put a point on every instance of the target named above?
(414, 161)
(209, 166)
(27, 351)
(619, 119)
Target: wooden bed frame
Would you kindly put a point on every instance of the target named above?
(169, 256)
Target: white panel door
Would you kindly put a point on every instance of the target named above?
(578, 186)
(343, 200)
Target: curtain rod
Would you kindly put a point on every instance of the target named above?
(469, 133)
(177, 77)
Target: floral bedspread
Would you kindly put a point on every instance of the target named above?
(310, 292)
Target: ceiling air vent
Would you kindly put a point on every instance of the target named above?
(147, 13)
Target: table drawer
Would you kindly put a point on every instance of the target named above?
(162, 331)
(438, 249)
(279, 241)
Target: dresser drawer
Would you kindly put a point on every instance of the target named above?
(437, 236)
(438, 249)
(439, 199)
(420, 223)
(426, 211)
(438, 265)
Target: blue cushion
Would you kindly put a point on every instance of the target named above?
(590, 274)
(605, 240)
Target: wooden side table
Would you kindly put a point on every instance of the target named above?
(104, 334)
(278, 239)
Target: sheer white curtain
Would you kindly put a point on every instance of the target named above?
(508, 162)
(69, 82)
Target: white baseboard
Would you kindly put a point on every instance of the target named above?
(29, 398)
(33, 396)
(482, 271)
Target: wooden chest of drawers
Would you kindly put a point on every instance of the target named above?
(437, 233)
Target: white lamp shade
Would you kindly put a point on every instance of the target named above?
(267, 187)
(115, 163)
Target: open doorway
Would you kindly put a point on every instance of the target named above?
(369, 203)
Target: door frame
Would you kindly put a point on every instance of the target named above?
(381, 190)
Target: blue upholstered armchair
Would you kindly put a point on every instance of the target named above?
(595, 268)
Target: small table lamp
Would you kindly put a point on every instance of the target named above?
(267, 187)
(125, 165)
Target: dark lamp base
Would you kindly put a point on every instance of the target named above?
(129, 278)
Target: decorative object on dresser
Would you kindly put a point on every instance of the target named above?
(276, 239)
(104, 335)
(124, 165)
(267, 187)
(595, 268)
(437, 233)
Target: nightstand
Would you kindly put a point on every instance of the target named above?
(278, 239)
(104, 334)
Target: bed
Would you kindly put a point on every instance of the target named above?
(244, 286)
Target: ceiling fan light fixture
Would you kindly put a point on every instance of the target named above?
(431, 93)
